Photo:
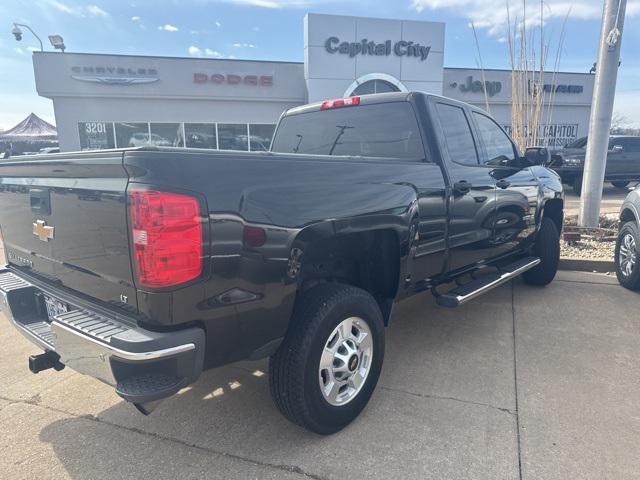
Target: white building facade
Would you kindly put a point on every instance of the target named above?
(107, 101)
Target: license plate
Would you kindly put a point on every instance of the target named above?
(54, 307)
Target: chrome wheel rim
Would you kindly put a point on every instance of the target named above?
(345, 362)
(627, 255)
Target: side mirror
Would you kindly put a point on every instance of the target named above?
(538, 156)
(617, 149)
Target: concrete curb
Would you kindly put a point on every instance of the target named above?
(586, 265)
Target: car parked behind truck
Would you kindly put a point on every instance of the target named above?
(622, 168)
(143, 267)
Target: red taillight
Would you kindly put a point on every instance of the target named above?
(340, 102)
(167, 237)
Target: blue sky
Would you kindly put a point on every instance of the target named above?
(272, 30)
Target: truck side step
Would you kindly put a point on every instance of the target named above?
(475, 288)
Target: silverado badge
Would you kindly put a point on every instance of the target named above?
(42, 231)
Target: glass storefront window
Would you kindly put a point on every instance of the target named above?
(132, 134)
(96, 135)
(200, 135)
(260, 137)
(227, 136)
(166, 135)
(233, 136)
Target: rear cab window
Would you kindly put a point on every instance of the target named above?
(382, 130)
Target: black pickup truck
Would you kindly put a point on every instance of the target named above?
(142, 267)
(623, 162)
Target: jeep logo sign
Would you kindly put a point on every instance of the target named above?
(369, 47)
(233, 79)
(476, 86)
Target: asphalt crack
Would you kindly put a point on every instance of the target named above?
(515, 377)
(440, 397)
(34, 401)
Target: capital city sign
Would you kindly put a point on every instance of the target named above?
(401, 48)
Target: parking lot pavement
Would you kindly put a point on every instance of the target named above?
(612, 199)
(523, 383)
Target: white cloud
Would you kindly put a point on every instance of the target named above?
(167, 27)
(207, 52)
(33, 49)
(135, 18)
(96, 11)
(273, 3)
(218, 24)
(90, 10)
(492, 14)
(19, 50)
(244, 45)
(63, 7)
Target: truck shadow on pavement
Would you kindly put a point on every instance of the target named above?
(454, 365)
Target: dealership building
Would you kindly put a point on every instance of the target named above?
(107, 101)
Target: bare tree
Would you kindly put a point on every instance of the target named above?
(532, 84)
(619, 124)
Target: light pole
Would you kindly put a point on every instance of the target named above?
(601, 111)
(18, 33)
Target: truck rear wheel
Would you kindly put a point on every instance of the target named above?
(547, 248)
(325, 371)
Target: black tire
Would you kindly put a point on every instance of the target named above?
(576, 184)
(620, 184)
(547, 248)
(630, 280)
(295, 368)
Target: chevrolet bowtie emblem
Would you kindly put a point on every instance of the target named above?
(42, 231)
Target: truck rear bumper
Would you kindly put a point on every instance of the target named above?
(142, 365)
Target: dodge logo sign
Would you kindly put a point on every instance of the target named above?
(233, 79)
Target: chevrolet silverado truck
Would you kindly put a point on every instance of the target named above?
(143, 267)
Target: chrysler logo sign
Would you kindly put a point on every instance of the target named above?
(368, 47)
(115, 75)
(233, 79)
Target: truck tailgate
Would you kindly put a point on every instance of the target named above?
(64, 218)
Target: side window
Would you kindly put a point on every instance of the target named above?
(629, 145)
(633, 145)
(458, 138)
(499, 148)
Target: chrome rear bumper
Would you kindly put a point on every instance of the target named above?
(143, 365)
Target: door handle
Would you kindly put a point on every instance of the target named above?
(503, 184)
(462, 187)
